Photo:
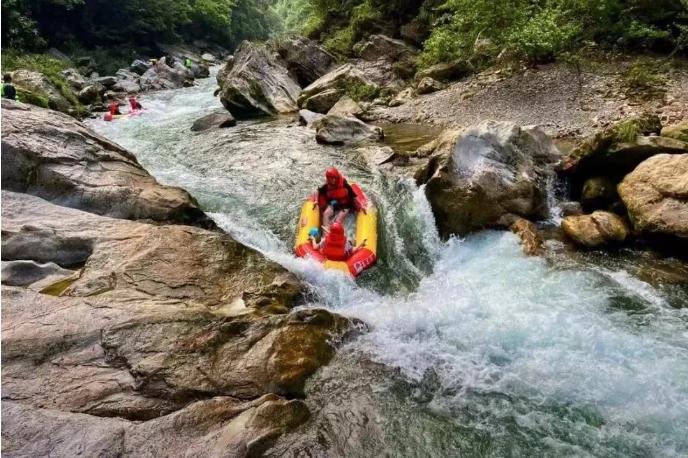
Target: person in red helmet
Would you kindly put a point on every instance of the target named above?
(336, 195)
(113, 107)
(135, 105)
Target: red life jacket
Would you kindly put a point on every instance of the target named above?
(334, 247)
(339, 193)
(114, 108)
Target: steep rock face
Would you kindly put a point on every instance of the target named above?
(53, 156)
(173, 337)
(488, 172)
(304, 58)
(595, 230)
(383, 47)
(656, 196)
(258, 84)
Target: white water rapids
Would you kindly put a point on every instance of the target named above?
(514, 356)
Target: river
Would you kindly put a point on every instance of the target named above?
(473, 349)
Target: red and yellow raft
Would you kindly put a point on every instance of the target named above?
(366, 231)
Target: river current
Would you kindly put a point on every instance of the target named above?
(473, 349)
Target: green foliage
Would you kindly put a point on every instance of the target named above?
(360, 91)
(642, 79)
(32, 98)
(626, 131)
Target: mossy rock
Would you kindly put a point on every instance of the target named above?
(32, 98)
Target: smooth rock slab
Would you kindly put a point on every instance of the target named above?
(340, 130)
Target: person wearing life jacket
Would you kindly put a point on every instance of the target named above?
(335, 245)
(113, 107)
(336, 195)
(8, 90)
(135, 105)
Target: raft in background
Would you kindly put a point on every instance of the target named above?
(366, 230)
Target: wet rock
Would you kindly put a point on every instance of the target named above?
(257, 84)
(74, 78)
(446, 71)
(323, 101)
(213, 120)
(676, 131)
(53, 156)
(91, 94)
(656, 195)
(340, 130)
(595, 230)
(343, 78)
(383, 47)
(124, 74)
(140, 67)
(304, 58)
(531, 241)
(346, 107)
(428, 85)
(39, 85)
(309, 118)
(598, 193)
(489, 171)
(25, 272)
(571, 208)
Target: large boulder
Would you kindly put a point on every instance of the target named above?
(258, 84)
(140, 67)
(322, 102)
(595, 230)
(107, 81)
(213, 120)
(39, 87)
(53, 156)
(177, 337)
(346, 107)
(126, 85)
(488, 173)
(446, 71)
(166, 74)
(656, 196)
(377, 47)
(74, 78)
(305, 58)
(345, 79)
(341, 130)
(91, 93)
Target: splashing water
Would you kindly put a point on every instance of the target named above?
(474, 349)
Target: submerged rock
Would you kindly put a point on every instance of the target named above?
(213, 120)
(53, 156)
(488, 172)
(595, 230)
(340, 130)
(656, 196)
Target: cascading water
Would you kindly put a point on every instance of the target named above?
(473, 348)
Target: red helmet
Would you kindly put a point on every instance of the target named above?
(332, 173)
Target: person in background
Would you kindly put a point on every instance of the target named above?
(113, 107)
(135, 105)
(8, 90)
